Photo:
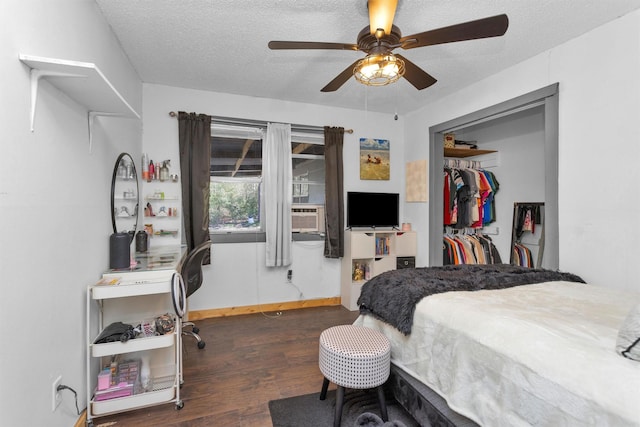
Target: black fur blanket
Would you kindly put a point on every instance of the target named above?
(392, 296)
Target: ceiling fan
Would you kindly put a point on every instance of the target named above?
(381, 37)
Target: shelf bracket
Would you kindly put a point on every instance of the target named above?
(91, 115)
(36, 75)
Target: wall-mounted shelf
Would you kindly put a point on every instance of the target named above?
(465, 152)
(81, 81)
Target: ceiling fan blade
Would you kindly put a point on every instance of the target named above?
(311, 45)
(479, 29)
(416, 75)
(340, 79)
(381, 13)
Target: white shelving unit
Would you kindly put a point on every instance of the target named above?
(162, 195)
(125, 201)
(375, 252)
(81, 81)
(140, 295)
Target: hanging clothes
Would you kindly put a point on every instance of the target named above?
(469, 196)
(527, 216)
(469, 249)
(449, 198)
(522, 256)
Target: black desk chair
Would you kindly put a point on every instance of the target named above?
(191, 270)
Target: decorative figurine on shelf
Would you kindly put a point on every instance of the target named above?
(358, 273)
(162, 211)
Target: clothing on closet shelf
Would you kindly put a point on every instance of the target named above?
(469, 249)
(468, 196)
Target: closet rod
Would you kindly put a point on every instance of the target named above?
(457, 163)
(226, 120)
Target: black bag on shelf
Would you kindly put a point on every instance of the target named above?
(117, 331)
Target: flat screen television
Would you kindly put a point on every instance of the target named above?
(373, 209)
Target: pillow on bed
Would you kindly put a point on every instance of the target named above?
(628, 343)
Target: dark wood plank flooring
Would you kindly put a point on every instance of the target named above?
(248, 361)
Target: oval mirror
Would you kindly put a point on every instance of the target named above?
(124, 196)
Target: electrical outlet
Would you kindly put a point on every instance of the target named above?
(289, 275)
(56, 396)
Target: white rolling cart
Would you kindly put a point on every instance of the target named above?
(149, 290)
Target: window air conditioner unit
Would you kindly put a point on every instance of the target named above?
(307, 218)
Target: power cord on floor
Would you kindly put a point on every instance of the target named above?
(65, 387)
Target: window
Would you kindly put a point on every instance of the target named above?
(307, 152)
(236, 175)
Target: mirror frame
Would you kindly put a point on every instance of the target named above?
(114, 178)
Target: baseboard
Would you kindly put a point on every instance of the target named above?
(82, 421)
(261, 308)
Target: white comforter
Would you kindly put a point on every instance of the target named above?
(540, 354)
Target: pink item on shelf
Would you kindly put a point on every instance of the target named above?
(104, 379)
(121, 390)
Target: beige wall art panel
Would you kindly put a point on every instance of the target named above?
(416, 181)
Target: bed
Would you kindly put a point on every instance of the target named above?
(505, 346)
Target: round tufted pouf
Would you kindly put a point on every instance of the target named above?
(354, 357)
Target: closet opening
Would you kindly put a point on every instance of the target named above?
(522, 133)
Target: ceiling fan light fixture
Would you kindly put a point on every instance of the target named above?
(379, 69)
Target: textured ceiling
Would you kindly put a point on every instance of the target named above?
(221, 45)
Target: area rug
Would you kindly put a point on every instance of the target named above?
(310, 411)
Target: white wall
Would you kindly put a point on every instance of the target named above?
(54, 203)
(598, 143)
(237, 275)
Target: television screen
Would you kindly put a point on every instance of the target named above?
(373, 209)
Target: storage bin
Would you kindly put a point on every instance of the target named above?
(406, 262)
(449, 140)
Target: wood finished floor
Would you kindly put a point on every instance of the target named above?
(248, 361)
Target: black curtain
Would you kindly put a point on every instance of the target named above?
(194, 132)
(334, 199)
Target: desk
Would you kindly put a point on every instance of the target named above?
(156, 265)
(131, 296)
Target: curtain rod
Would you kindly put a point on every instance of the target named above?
(228, 120)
